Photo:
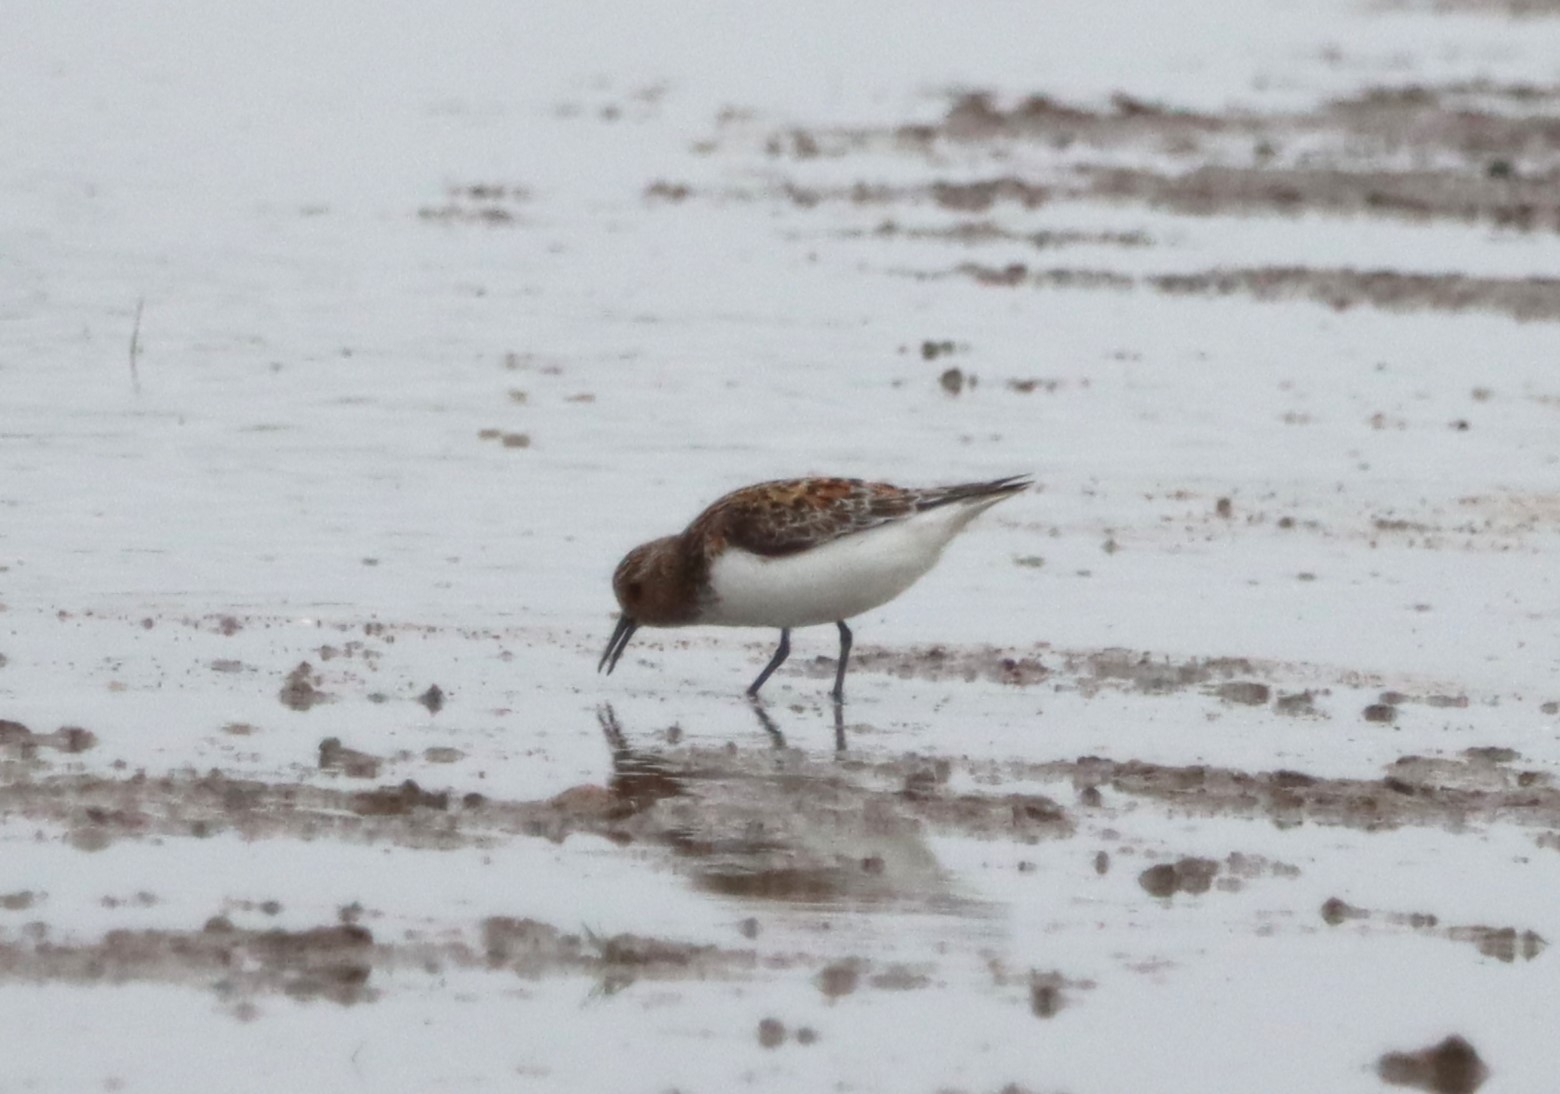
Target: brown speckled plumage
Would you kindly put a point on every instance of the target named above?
(789, 515)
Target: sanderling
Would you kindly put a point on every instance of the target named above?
(794, 553)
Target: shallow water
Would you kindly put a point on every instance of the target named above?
(1223, 760)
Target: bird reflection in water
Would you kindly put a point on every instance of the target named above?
(774, 824)
(639, 778)
(771, 728)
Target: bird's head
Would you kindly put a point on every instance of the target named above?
(653, 587)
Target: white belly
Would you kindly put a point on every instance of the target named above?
(838, 580)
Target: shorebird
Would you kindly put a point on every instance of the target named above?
(795, 553)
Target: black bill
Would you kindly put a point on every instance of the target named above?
(619, 642)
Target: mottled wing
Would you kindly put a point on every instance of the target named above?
(781, 518)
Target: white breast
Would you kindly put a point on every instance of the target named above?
(838, 580)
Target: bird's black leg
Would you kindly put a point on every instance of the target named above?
(774, 662)
(839, 674)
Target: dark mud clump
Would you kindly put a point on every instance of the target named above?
(301, 689)
(1380, 712)
(820, 883)
(771, 1033)
(17, 740)
(335, 756)
(1189, 875)
(1336, 911)
(1298, 704)
(73, 739)
(399, 801)
(433, 699)
(1246, 692)
(840, 978)
(1504, 944)
(1451, 1067)
(506, 438)
(1046, 994)
(671, 192)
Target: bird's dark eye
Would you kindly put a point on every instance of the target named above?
(634, 589)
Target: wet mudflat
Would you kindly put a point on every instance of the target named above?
(1226, 759)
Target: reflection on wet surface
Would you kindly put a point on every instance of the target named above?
(771, 727)
(639, 779)
(623, 755)
(756, 822)
(778, 824)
